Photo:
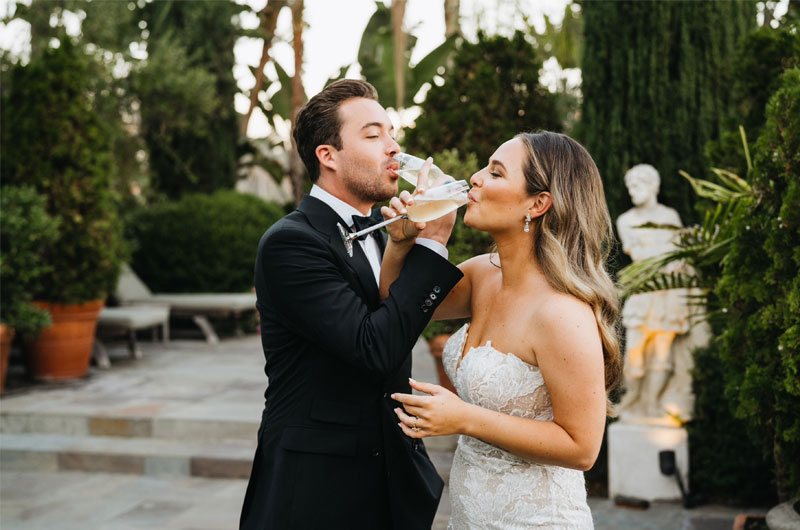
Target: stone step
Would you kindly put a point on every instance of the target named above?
(208, 428)
(139, 456)
(128, 426)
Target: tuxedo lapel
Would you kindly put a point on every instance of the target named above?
(324, 219)
(380, 235)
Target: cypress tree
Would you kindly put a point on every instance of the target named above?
(197, 151)
(656, 90)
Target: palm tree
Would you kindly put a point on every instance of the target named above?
(269, 20)
(298, 97)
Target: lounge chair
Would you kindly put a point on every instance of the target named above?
(132, 291)
(130, 319)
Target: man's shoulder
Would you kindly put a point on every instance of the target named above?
(290, 227)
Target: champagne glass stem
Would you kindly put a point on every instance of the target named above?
(348, 237)
(372, 228)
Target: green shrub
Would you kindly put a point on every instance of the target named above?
(54, 141)
(762, 56)
(27, 231)
(491, 93)
(725, 465)
(760, 291)
(200, 243)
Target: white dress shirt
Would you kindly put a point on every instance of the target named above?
(369, 245)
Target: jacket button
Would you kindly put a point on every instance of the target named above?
(428, 303)
(433, 296)
(425, 309)
(437, 289)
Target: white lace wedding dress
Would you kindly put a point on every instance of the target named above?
(489, 487)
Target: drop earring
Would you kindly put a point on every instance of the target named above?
(527, 223)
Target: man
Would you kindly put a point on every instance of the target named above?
(330, 453)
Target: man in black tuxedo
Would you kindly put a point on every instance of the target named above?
(330, 453)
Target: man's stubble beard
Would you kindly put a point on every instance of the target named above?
(373, 190)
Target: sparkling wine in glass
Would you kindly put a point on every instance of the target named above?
(438, 201)
(432, 204)
(410, 166)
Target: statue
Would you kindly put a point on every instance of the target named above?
(658, 332)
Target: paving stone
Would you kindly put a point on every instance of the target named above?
(220, 467)
(38, 422)
(152, 513)
(167, 466)
(106, 463)
(704, 522)
(124, 427)
(14, 460)
(189, 428)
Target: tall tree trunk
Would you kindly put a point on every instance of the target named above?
(400, 38)
(298, 97)
(451, 21)
(269, 20)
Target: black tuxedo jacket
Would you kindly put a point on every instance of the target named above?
(330, 453)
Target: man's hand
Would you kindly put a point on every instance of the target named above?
(402, 231)
(407, 231)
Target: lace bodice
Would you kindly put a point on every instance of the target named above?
(489, 487)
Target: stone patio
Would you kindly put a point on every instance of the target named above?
(166, 442)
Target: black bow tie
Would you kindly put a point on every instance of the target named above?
(360, 223)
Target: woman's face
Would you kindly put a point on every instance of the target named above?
(498, 200)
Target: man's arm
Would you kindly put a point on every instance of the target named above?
(302, 277)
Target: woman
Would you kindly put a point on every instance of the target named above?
(534, 366)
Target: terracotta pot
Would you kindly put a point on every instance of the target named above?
(436, 345)
(6, 336)
(64, 350)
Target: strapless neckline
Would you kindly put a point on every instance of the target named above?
(462, 344)
(490, 487)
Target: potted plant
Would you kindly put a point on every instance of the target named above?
(27, 231)
(55, 142)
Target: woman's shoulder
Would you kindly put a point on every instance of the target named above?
(557, 310)
(479, 264)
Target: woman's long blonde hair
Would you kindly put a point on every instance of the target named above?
(574, 237)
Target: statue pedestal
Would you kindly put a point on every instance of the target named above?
(633, 467)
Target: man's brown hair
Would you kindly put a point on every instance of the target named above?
(318, 121)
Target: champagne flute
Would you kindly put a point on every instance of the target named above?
(432, 204)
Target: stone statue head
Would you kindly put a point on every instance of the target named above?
(643, 182)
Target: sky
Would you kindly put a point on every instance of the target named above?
(332, 37)
(333, 33)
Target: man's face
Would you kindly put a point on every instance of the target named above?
(365, 166)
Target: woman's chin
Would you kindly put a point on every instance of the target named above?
(472, 219)
(468, 218)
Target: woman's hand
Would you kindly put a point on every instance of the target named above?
(406, 231)
(437, 414)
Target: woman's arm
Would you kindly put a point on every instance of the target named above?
(458, 303)
(570, 357)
